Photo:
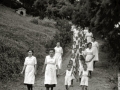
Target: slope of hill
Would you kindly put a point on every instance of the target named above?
(17, 35)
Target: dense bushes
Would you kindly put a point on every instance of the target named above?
(63, 35)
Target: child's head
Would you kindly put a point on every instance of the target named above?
(69, 67)
(77, 46)
(80, 50)
(85, 67)
(73, 56)
(83, 48)
(75, 49)
(71, 62)
(74, 42)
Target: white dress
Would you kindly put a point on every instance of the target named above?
(74, 46)
(75, 33)
(74, 63)
(68, 77)
(80, 67)
(89, 37)
(89, 55)
(95, 50)
(58, 55)
(30, 70)
(85, 31)
(84, 79)
(50, 72)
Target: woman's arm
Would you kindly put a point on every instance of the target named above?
(44, 67)
(57, 70)
(24, 67)
(92, 58)
(35, 69)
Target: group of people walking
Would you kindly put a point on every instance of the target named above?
(85, 51)
(84, 55)
(52, 65)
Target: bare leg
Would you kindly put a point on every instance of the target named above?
(72, 83)
(47, 88)
(28, 86)
(66, 86)
(82, 87)
(79, 80)
(90, 72)
(94, 64)
(51, 88)
(31, 87)
(85, 88)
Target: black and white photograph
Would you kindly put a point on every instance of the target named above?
(59, 44)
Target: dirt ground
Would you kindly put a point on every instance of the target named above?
(99, 80)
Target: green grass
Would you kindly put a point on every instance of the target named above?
(17, 35)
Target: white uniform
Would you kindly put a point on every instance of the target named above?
(89, 55)
(80, 68)
(89, 37)
(84, 80)
(30, 70)
(50, 72)
(74, 63)
(76, 32)
(95, 50)
(85, 31)
(58, 55)
(74, 46)
(68, 77)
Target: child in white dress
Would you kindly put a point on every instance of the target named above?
(84, 79)
(81, 63)
(68, 76)
(74, 45)
(73, 69)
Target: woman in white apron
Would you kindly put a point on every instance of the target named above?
(30, 65)
(95, 48)
(58, 54)
(51, 72)
(89, 36)
(89, 58)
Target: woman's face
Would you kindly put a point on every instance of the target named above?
(90, 45)
(51, 53)
(93, 39)
(30, 53)
(58, 44)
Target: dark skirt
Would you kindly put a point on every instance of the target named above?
(50, 85)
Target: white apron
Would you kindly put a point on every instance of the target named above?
(50, 72)
(58, 55)
(89, 37)
(95, 51)
(89, 55)
(30, 70)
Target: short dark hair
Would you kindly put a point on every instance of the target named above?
(30, 50)
(51, 49)
(88, 44)
(94, 38)
(68, 65)
(82, 58)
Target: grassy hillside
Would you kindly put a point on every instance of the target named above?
(17, 35)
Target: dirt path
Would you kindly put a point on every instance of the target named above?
(99, 80)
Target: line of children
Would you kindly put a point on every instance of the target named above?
(79, 65)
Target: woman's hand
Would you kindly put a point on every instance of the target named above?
(21, 72)
(35, 72)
